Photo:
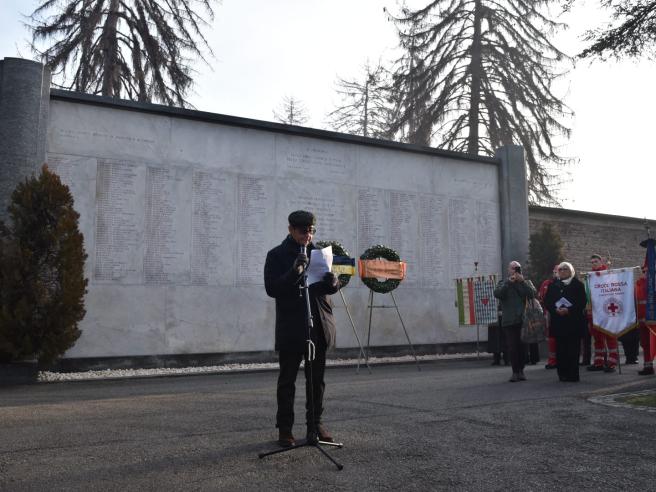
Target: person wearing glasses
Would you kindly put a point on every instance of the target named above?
(512, 293)
(566, 300)
(283, 272)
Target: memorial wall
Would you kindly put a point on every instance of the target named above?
(178, 215)
(178, 209)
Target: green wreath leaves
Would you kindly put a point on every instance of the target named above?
(338, 250)
(380, 251)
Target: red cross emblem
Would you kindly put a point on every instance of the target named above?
(613, 307)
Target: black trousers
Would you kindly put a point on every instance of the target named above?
(516, 349)
(631, 344)
(289, 365)
(568, 350)
(533, 353)
(585, 342)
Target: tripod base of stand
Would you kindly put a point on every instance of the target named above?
(303, 443)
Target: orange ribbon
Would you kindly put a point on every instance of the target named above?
(380, 268)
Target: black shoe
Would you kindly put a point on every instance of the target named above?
(311, 437)
(647, 371)
(595, 368)
(514, 378)
(550, 366)
(521, 376)
(631, 362)
(286, 439)
(324, 435)
(320, 434)
(609, 369)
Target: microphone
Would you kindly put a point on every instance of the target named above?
(303, 251)
(302, 273)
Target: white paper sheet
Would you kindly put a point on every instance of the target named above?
(321, 261)
(562, 302)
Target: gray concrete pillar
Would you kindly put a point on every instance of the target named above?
(513, 192)
(24, 103)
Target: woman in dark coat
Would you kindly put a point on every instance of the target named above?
(565, 300)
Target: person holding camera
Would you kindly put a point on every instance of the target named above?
(512, 293)
(283, 274)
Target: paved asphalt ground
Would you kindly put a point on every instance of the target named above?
(456, 425)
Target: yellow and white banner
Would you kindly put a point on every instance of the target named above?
(612, 300)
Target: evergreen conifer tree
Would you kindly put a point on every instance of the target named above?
(545, 251)
(478, 74)
(41, 271)
(135, 49)
(631, 31)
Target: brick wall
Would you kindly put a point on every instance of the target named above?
(584, 233)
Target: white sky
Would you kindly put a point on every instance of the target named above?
(267, 49)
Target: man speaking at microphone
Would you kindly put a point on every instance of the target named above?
(283, 273)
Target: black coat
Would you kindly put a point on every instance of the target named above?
(281, 283)
(573, 324)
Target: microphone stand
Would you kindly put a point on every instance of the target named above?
(312, 439)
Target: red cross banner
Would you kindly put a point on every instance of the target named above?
(612, 300)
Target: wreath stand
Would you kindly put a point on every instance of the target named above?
(371, 307)
(343, 281)
(361, 353)
(384, 287)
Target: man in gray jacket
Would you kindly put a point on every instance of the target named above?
(512, 293)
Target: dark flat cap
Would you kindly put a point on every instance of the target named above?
(301, 218)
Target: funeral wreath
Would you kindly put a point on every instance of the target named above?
(338, 250)
(375, 252)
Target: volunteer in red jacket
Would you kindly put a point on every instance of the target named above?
(602, 341)
(551, 341)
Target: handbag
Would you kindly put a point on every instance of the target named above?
(534, 323)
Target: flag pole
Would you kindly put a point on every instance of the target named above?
(478, 326)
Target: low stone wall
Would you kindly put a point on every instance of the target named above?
(585, 233)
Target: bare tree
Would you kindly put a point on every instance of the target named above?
(478, 74)
(631, 32)
(135, 49)
(365, 106)
(291, 111)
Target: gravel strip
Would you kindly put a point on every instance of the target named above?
(51, 377)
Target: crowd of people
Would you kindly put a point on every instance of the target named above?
(306, 336)
(570, 331)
